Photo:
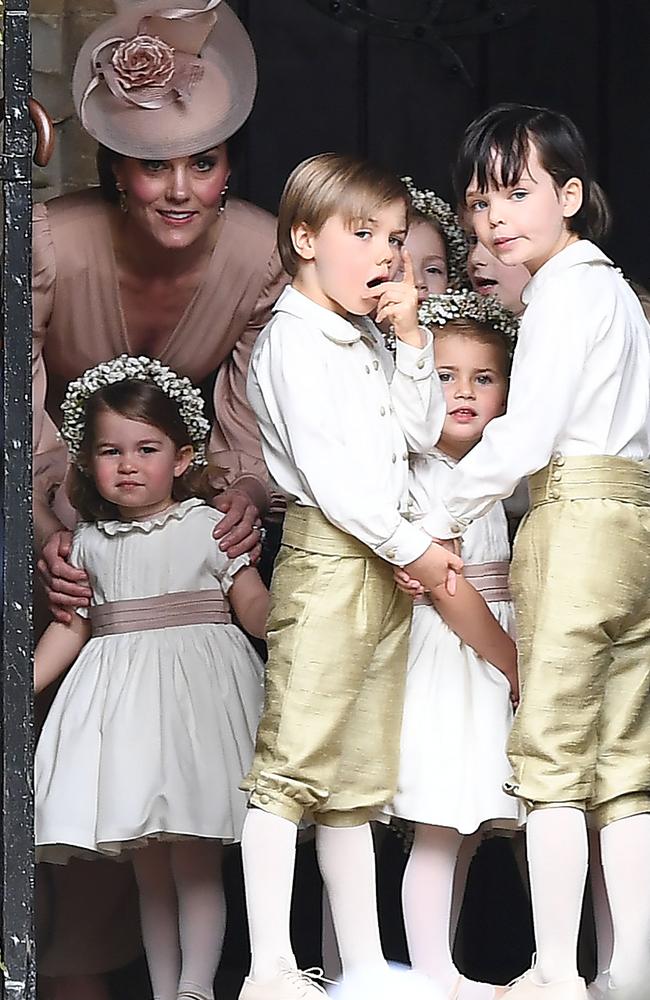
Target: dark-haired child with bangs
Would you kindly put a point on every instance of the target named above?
(577, 424)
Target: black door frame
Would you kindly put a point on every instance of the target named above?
(16, 716)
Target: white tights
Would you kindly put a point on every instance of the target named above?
(347, 863)
(602, 912)
(557, 859)
(346, 858)
(427, 902)
(557, 855)
(625, 851)
(183, 916)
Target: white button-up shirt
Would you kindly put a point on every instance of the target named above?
(580, 385)
(337, 420)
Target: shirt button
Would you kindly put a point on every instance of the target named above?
(405, 456)
(557, 477)
(375, 365)
(394, 459)
(420, 363)
(554, 494)
(558, 458)
(367, 369)
(382, 411)
(264, 799)
(390, 553)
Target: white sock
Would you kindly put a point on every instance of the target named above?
(557, 859)
(269, 858)
(346, 858)
(196, 866)
(158, 918)
(426, 901)
(625, 847)
(602, 912)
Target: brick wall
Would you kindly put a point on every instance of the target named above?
(58, 29)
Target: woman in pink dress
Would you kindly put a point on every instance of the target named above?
(157, 261)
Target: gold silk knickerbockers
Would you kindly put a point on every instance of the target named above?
(328, 741)
(580, 580)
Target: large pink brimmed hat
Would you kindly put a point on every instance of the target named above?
(157, 81)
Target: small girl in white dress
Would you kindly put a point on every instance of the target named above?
(153, 727)
(462, 670)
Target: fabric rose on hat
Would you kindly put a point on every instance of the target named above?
(144, 61)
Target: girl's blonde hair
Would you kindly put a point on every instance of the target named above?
(143, 401)
(332, 184)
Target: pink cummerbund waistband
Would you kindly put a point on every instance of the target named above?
(188, 607)
(490, 579)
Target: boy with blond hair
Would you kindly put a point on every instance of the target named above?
(337, 420)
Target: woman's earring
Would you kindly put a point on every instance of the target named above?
(224, 197)
(124, 205)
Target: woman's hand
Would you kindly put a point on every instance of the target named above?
(240, 530)
(66, 586)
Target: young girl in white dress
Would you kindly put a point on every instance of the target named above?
(462, 675)
(152, 729)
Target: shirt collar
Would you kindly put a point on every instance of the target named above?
(580, 252)
(340, 329)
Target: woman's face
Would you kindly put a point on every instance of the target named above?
(174, 201)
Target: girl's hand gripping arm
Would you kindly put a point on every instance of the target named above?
(59, 646)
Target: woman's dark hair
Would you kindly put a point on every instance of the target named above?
(506, 132)
(106, 158)
(136, 400)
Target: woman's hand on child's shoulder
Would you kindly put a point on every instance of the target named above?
(240, 530)
(66, 586)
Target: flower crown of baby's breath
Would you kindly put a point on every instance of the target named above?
(437, 310)
(142, 369)
(429, 204)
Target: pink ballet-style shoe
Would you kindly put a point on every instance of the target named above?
(525, 989)
(499, 991)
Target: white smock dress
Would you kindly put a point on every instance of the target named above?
(457, 711)
(152, 730)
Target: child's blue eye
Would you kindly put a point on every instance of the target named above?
(519, 195)
(478, 206)
(484, 379)
(432, 269)
(396, 241)
(362, 233)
